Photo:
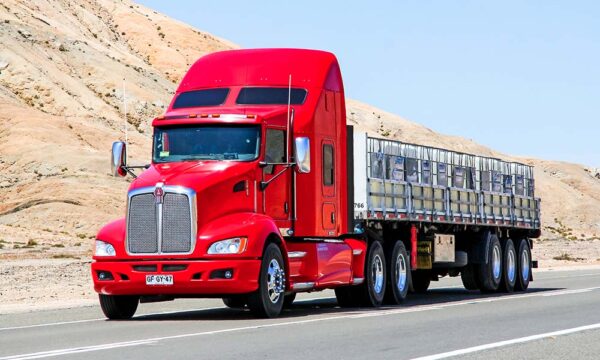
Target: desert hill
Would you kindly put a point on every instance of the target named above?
(65, 70)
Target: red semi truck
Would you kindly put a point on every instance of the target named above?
(259, 190)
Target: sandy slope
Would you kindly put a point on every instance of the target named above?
(62, 66)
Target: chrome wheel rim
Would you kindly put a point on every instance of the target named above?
(496, 264)
(275, 281)
(401, 272)
(377, 274)
(511, 266)
(525, 265)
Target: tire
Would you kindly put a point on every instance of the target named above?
(373, 289)
(288, 300)
(420, 281)
(118, 307)
(235, 302)
(468, 275)
(349, 296)
(398, 274)
(267, 301)
(509, 267)
(490, 272)
(523, 265)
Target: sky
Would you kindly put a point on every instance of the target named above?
(522, 77)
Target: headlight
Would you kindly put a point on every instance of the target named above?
(104, 249)
(228, 246)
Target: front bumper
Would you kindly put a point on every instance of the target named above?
(197, 279)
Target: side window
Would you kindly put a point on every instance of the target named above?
(327, 165)
(275, 149)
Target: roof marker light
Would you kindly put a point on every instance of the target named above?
(192, 116)
(216, 115)
(203, 115)
(251, 116)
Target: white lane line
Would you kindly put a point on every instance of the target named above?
(104, 319)
(141, 315)
(508, 342)
(552, 293)
(347, 315)
(51, 353)
(566, 276)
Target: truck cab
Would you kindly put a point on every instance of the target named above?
(247, 161)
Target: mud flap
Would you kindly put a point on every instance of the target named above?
(477, 254)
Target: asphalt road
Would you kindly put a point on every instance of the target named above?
(558, 318)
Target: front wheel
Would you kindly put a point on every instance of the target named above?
(119, 307)
(267, 301)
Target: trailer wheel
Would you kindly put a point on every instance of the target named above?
(288, 300)
(468, 275)
(119, 307)
(235, 302)
(420, 281)
(398, 274)
(523, 265)
(490, 272)
(267, 301)
(509, 267)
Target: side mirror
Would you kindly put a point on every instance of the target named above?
(302, 154)
(118, 158)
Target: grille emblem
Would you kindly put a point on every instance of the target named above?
(158, 194)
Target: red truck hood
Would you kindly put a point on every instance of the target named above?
(197, 175)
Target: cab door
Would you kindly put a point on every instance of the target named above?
(276, 196)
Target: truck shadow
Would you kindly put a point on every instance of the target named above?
(304, 308)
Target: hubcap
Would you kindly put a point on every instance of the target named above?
(525, 265)
(275, 281)
(377, 274)
(401, 272)
(511, 266)
(496, 264)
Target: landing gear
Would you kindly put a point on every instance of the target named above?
(267, 301)
(118, 307)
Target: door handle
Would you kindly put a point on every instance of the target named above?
(333, 218)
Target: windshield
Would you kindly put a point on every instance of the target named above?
(206, 142)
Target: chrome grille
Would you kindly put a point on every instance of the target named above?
(141, 225)
(176, 230)
(166, 225)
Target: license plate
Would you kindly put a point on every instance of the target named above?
(159, 279)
